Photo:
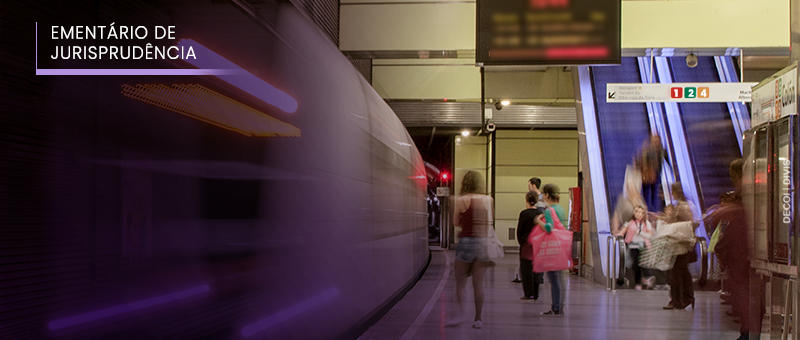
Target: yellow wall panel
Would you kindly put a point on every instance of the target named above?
(537, 134)
(471, 157)
(705, 23)
(525, 172)
(427, 82)
(539, 151)
(443, 26)
(501, 228)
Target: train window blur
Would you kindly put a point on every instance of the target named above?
(780, 191)
(231, 199)
(761, 218)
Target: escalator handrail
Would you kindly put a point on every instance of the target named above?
(610, 240)
(614, 243)
(704, 258)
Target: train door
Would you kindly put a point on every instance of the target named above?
(770, 177)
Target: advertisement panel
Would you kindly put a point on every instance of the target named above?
(775, 97)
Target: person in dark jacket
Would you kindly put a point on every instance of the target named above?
(734, 252)
(525, 224)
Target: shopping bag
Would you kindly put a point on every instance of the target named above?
(552, 221)
(495, 247)
(552, 251)
(658, 256)
(714, 238)
(680, 236)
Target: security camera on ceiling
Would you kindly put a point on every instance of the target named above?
(691, 60)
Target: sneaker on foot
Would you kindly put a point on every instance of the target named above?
(649, 282)
(553, 313)
(455, 322)
(526, 298)
(516, 280)
(477, 324)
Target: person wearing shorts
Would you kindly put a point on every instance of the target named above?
(472, 256)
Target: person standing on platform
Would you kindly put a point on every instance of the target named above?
(551, 198)
(734, 252)
(533, 185)
(681, 287)
(472, 256)
(558, 285)
(525, 223)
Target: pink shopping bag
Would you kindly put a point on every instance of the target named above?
(552, 251)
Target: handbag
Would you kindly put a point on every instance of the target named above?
(495, 247)
(495, 250)
(552, 251)
(658, 256)
(679, 234)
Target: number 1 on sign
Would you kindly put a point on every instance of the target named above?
(676, 92)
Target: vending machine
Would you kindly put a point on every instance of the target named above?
(770, 179)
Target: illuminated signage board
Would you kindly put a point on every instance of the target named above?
(547, 32)
(679, 92)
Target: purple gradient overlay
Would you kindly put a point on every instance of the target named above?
(126, 308)
(245, 81)
(289, 312)
(136, 72)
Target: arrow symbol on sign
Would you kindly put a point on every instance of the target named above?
(611, 95)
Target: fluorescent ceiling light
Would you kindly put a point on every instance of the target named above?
(505, 102)
(465, 133)
(246, 81)
(202, 103)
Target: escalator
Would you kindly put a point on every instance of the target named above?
(710, 134)
(700, 138)
(622, 127)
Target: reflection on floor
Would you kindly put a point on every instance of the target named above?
(591, 311)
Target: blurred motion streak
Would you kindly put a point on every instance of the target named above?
(290, 312)
(126, 308)
(202, 103)
(246, 81)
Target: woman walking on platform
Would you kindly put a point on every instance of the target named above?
(472, 215)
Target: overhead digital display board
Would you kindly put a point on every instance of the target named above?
(547, 32)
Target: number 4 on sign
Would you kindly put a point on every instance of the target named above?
(703, 92)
